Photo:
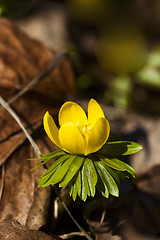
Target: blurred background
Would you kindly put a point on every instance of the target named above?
(113, 46)
(114, 50)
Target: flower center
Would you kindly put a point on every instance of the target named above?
(84, 128)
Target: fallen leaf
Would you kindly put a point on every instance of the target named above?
(39, 209)
(21, 60)
(147, 202)
(12, 230)
(18, 188)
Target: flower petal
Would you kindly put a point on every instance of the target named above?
(71, 139)
(98, 135)
(71, 112)
(94, 112)
(51, 129)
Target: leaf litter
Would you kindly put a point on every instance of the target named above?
(135, 216)
(21, 199)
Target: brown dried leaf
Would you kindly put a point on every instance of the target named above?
(107, 236)
(129, 232)
(147, 202)
(139, 209)
(149, 181)
(38, 213)
(12, 230)
(23, 58)
(11, 136)
(19, 187)
(135, 215)
(21, 198)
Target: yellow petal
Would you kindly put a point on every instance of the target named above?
(97, 136)
(51, 129)
(94, 112)
(71, 139)
(71, 112)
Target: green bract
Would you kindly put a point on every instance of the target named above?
(86, 160)
(83, 174)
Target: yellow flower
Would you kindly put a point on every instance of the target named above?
(77, 133)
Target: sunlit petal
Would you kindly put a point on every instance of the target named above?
(94, 112)
(98, 135)
(71, 112)
(71, 139)
(51, 129)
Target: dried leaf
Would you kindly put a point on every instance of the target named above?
(19, 187)
(149, 181)
(135, 215)
(21, 60)
(12, 230)
(129, 232)
(147, 202)
(11, 136)
(39, 210)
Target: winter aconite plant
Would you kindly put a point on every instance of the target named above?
(87, 160)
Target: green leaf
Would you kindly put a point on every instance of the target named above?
(71, 190)
(75, 185)
(123, 175)
(127, 167)
(74, 167)
(101, 185)
(85, 187)
(43, 163)
(91, 175)
(107, 178)
(56, 163)
(71, 184)
(74, 192)
(45, 178)
(54, 154)
(60, 172)
(78, 183)
(111, 163)
(119, 148)
(114, 174)
(47, 157)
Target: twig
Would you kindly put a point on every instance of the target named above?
(37, 151)
(101, 221)
(46, 72)
(2, 181)
(70, 235)
(15, 116)
(67, 210)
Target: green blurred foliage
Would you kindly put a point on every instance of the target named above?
(119, 93)
(89, 12)
(122, 51)
(124, 55)
(123, 41)
(149, 75)
(14, 8)
(83, 81)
